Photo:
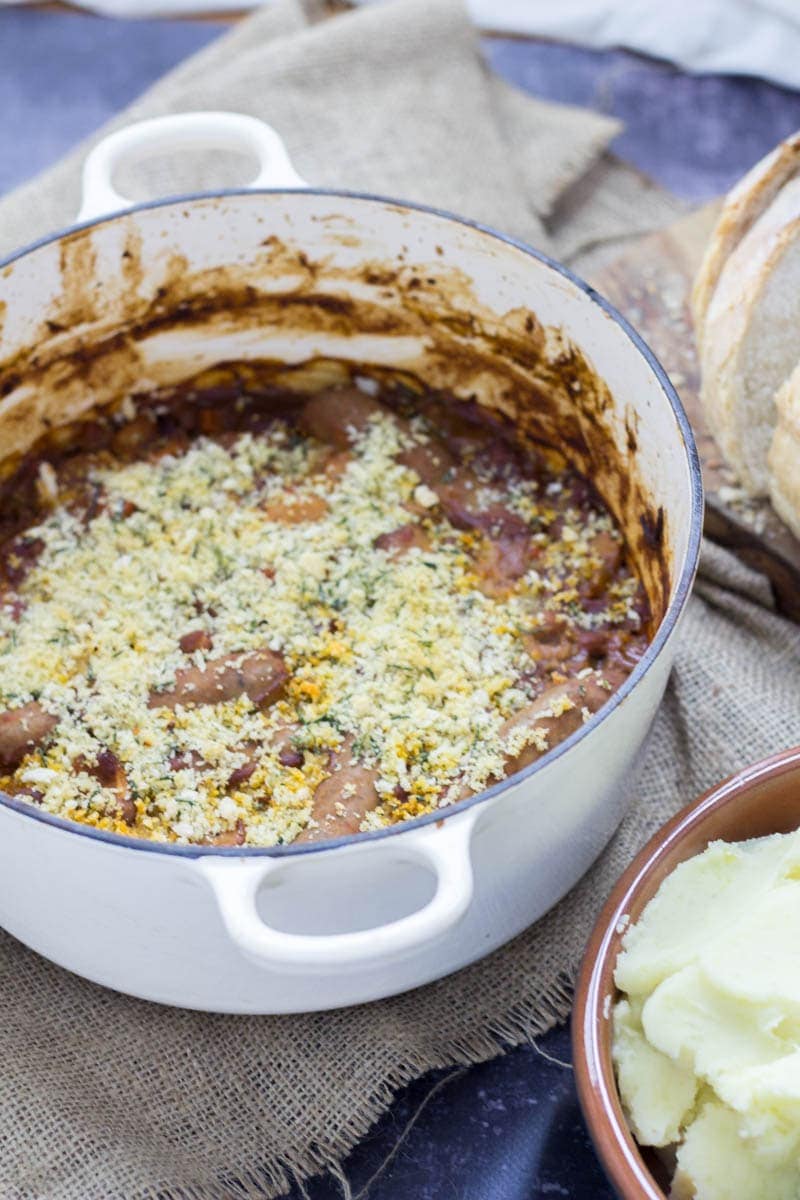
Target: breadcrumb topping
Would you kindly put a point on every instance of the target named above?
(271, 541)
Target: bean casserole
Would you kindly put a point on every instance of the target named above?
(259, 617)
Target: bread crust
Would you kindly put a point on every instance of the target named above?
(742, 207)
(737, 392)
(784, 454)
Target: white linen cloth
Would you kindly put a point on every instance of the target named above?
(745, 37)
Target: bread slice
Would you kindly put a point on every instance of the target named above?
(742, 207)
(784, 454)
(750, 344)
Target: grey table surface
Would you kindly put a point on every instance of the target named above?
(509, 1129)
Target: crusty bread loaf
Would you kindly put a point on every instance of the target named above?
(750, 341)
(784, 454)
(740, 211)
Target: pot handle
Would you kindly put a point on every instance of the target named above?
(183, 131)
(236, 883)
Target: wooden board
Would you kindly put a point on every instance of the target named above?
(650, 285)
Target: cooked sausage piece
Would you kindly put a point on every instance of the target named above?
(615, 644)
(133, 436)
(341, 801)
(229, 837)
(14, 605)
(22, 730)
(558, 712)
(240, 775)
(398, 542)
(609, 551)
(196, 639)
(19, 558)
(188, 760)
(460, 491)
(461, 500)
(282, 740)
(261, 675)
(333, 465)
(111, 773)
(339, 416)
(291, 509)
(552, 644)
(431, 460)
(501, 562)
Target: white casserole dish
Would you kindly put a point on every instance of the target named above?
(283, 272)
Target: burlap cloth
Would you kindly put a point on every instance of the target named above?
(107, 1098)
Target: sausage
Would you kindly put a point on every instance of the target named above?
(333, 464)
(240, 775)
(341, 801)
(22, 730)
(229, 837)
(340, 415)
(90, 500)
(19, 558)
(589, 692)
(609, 551)
(188, 760)
(594, 643)
(460, 499)
(468, 429)
(459, 491)
(499, 461)
(195, 639)
(169, 447)
(31, 794)
(552, 643)
(432, 461)
(291, 509)
(500, 563)
(282, 740)
(261, 675)
(14, 605)
(616, 645)
(111, 774)
(109, 771)
(133, 436)
(398, 542)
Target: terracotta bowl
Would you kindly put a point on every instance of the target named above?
(759, 800)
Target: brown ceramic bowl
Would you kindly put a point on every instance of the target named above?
(759, 800)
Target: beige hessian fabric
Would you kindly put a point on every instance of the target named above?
(107, 1098)
(393, 99)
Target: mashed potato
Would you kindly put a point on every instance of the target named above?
(707, 1032)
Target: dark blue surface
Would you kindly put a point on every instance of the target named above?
(63, 74)
(694, 134)
(508, 1129)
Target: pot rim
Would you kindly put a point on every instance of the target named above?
(665, 629)
(595, 1079)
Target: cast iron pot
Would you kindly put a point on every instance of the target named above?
(302, 286)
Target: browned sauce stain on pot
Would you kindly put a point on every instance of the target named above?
(131, 258)
(632, 429)
(533, 377)
(79, 293)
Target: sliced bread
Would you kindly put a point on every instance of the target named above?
(741, 208)
(750, 342)
(784, 454)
